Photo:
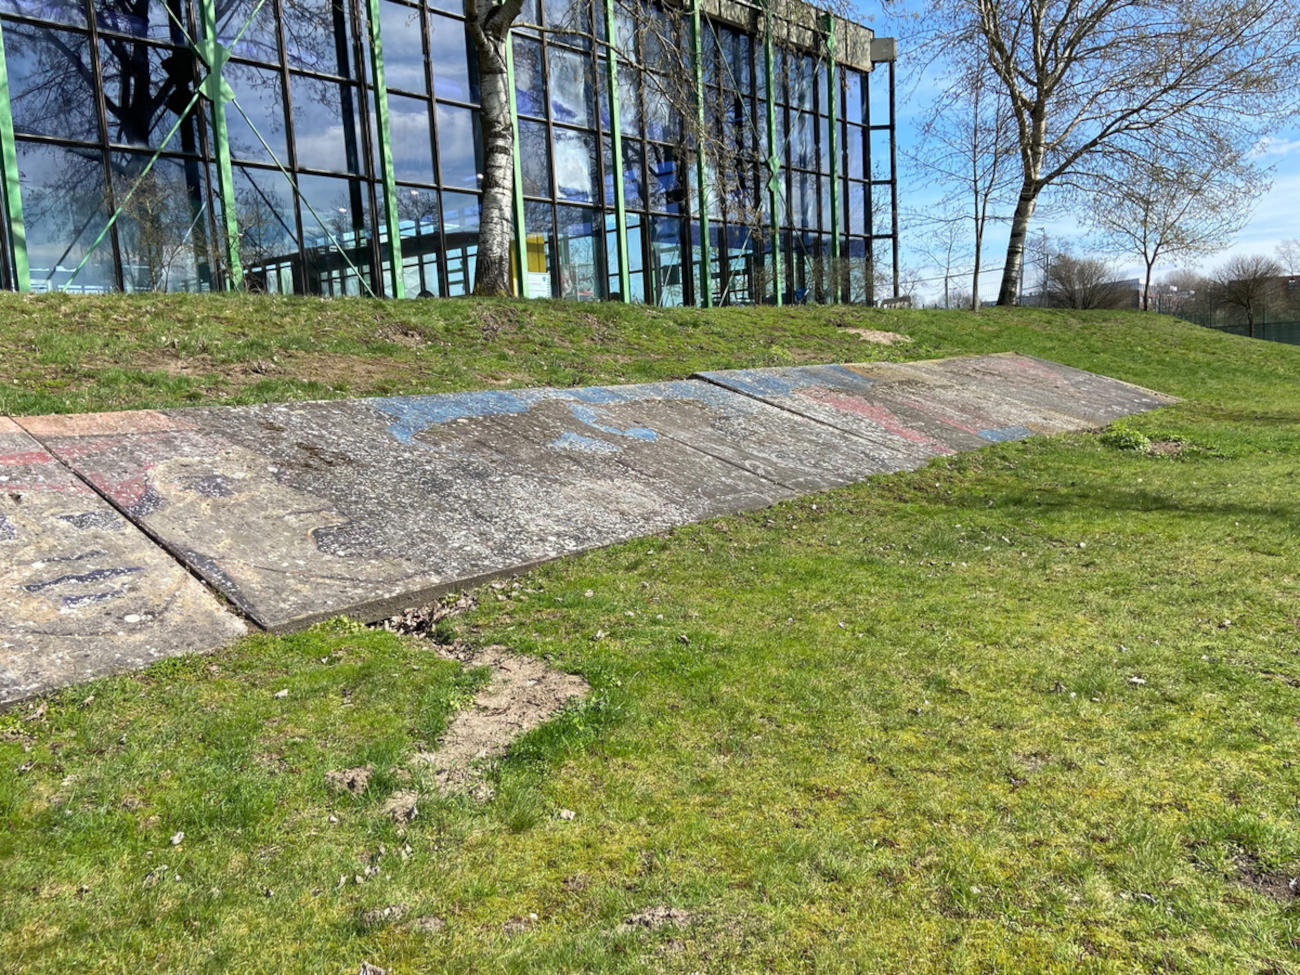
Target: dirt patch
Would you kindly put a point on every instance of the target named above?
(423, 620)
(1166, 448)
(656, 918)
(523, 693)
(1281, 885)
(880, 337)
(350, 780)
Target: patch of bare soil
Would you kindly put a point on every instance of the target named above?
(1166, 448)
(1281, 885)
(656, 918)
(523, 693)
(879, 337)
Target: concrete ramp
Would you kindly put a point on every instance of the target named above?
(84, 592)
(299, 511)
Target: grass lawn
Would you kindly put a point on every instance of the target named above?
(1035, 708)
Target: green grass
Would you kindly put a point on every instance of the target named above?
(890, 728)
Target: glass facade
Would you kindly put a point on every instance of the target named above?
(108, 120)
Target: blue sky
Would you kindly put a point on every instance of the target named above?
(1276, 216)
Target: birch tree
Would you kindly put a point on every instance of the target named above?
(1090, 81)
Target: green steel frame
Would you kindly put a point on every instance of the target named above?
(832, 103)
(214, 56)
(10, 192)
(616, 144)
(705, 297)
(383, 125)
(773, 157)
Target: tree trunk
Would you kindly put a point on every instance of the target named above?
(975, 275)
(1015, 262)
(496, 221)
(1146, 288)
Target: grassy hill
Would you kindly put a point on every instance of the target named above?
(1028, 709)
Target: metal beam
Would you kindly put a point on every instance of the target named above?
(16, 231)
(701, 168)
(616, 148)
(832, 103)
(520, 240)
(215, 87)
(383, 125)
(773, 157)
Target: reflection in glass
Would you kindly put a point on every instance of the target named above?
(162, 233)
(150, 87)
(572, 15)
(572, 88)
(316, 36)
(581, 253)
(267, 238)
(325, 124)
(65, 207)
(665, 181)
(575, 165)
(257, 92)
(449, 53)
(50, 82)
(666, 261)
(132, 17)
(61, 11)
(534, 159)
(539, 238)
(340, 213)
(403, 48)
(459, 146)
(530, 89)
(460, 216)
(411, 141)
(258, 40)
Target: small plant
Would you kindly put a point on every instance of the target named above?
(1124, 438)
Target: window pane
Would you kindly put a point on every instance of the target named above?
(539, 236)
(418, 212)
(64, 206)
(258, 92)
(148, 19)
(575, 165)
(534, 159)
(162, 231)
(62, 11)
(460, 229)
(530, 92)
(403, 47)
(340, 212)
(573, 15)
(412, 146)
(314, 35)
(49, 82)
(325, 124)
(666, 261)
(258, 41)
(264, 212)
(152, 85)
(572, 87)
(665, 181)
(449, 54)
(459, 152)
(581, 250)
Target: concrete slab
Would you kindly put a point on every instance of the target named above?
(83, 592)
(302, 511)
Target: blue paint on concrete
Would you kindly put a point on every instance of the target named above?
(594, 419)
(1003, 434)
(576, 441)
(415, 414)
(757, 382)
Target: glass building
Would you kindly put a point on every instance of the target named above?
(334, 147)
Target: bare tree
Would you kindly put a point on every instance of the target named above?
(1288, 255)
(1247, 283)
(1090, 80)
(1159, 207)
(968, 142)
(1081, 282)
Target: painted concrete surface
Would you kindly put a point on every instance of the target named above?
(83, 592)
(299, 511)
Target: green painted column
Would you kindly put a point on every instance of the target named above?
(616, 139)
(214, 55)
(521, 240)
(773, 157)
(393, 223)
(701, 167)
(832, 102)
(12, 192)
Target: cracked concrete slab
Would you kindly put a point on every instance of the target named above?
(83, 592)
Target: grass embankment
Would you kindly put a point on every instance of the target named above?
(1029, 709)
